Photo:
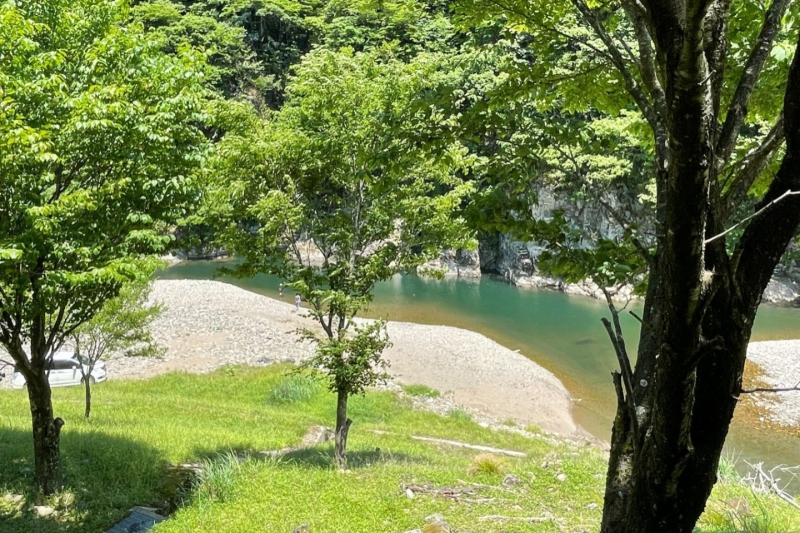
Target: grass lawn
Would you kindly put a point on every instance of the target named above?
(122, 457)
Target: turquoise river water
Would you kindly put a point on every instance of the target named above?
(560, 332)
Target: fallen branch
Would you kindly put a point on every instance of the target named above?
(478, 447)
(766, 482)
(460, 444)
(525, 519)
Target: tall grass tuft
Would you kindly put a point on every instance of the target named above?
(739, 516)
(294, 388)
(421, 390)
(486, 463)
(459, 415)
(217, 478)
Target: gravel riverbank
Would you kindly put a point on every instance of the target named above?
(778, 365)
(208, 324)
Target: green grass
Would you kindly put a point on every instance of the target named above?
(421, 390)
(123, 457)
(295, 388)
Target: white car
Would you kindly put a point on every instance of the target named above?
(65, 370)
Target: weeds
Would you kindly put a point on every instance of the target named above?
(459, 415)
(217, 478)
(486, 463)
(421, 390)
(294, 388)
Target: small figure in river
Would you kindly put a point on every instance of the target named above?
(297, 302)
(281, 290)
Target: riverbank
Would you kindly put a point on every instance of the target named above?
(208, 324)
(777, 365)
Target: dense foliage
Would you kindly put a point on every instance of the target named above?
(334, 194)
(99, 140)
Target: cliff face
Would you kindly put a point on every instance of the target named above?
(516, 261)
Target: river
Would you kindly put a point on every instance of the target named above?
(561, 332)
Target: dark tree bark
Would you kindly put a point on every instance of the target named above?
(46, 435)
(342, 428)
(701, 302)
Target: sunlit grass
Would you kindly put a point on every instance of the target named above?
(126, 456)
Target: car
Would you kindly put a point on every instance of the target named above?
(65, 370)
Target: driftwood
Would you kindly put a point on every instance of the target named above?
(458, 444)
(526, 519)
(765, 481)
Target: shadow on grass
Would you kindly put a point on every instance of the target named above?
(323, 457)
(104, 476)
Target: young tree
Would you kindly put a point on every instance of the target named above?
(121, 325)
(716, 88)
(98, 142)
(331, 195)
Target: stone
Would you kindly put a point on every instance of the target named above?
(435, 517)
(414, 531)
(436, 527)
(511, 480)
(410, 494)
(592, 506)
(44, 510)
(13, 498)
(562, 477)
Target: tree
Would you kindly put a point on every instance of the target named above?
(719, 94)
(99, 140)
(121, 325)
(333, 196)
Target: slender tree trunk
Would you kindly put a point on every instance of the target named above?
(46, 436)
(342, 428)
(88, 386)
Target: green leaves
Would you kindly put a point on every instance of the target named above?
(340, 190)
(99, 146)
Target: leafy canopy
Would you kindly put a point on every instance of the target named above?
(337, 192)
(99, 141)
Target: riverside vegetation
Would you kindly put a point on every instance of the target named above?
(688, 109)
(224, 422)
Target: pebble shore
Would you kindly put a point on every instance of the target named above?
(209, 324)
(778, 365)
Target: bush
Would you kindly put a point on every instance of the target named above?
(294, 388)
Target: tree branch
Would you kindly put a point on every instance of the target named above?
(633, 88)
(647, 61)
(737, 109)
(766, 389)
(750, 168)
(754, 215)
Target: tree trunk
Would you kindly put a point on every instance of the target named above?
(342, 428)
(666, 444)
(87, 384)
(46, 435)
